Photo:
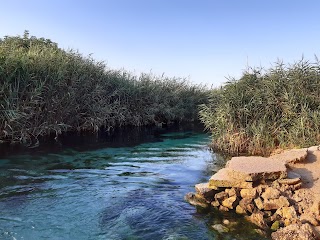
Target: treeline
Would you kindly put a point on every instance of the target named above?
(266, 110)
(47, 90)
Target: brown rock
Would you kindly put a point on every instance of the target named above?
(291, 156)
(255, 168)
(248, 193)
(193, 199)
(240, 210)
(259, 203)
(295, 232)
(221, 196)
(274, 204)
(231, 192)
(309, 218)
(289, 181)
(215, 203)
(246, 204)
(287, 213)
(223, 209)
(204, 190)
(230, 202)
(223, 179)
(257, 219)
(270, 193)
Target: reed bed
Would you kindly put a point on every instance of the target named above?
(265, 110)
(46, 90)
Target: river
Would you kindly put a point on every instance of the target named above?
(131, 186)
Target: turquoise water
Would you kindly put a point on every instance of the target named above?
(124, 192)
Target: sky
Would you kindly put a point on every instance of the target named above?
(204, 41)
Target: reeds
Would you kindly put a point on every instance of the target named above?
(47, 90)
(266, 110)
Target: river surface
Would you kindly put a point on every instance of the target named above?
(129, 187)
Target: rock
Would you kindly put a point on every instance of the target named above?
(246, 204)
(193, 199)
(257, 219)
(309, 218)
(248, 193)
(240, 210)
(256, 168)
(291, 156)
(259, 203)
(226, 222)
(231, 192)
(295, 232)
(215, 203)
(275, 226)
(223, 179)
(221, 196)
(230, 202)
(220, 228)
(274, 204)
(270, 193)
(287, 213)
(223, 209)
(206, 191)
(289, 181)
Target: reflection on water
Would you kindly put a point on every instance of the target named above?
(101, 190)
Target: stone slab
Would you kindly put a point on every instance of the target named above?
(256, 168)
(291, 156)
(223, 179)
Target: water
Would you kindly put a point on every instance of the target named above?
(132, 190)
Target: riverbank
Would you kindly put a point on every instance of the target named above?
(280, 194)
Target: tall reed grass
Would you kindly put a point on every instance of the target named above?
(266, 109)
(46, 90)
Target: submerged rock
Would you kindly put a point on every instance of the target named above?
(220, 228)
(195, 200)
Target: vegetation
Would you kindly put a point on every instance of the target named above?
(266, 110)
(47, 90)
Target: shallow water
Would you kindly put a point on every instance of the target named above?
(131, 190)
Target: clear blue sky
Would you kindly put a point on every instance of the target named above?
(204, 40)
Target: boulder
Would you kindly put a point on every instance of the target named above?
(230, 202)
(287, 213)
(295, 232)
(221, 196)
(224, 179)
(257, 219)
(270, 193)
(259, 203)
(223, 209)
(246, 204)
(274, 204)
(248, 193)
(215, 203)
(232, 192)
(195, 200)
(240, 210)
(256, 168)
(206, 191)
(291, 156)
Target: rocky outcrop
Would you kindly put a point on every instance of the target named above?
(266, 191)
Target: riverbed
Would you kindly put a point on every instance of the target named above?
(128, 187)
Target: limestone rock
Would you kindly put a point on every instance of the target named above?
(221, 196)
(223, 209)
(275, 226)
(309, 218)
(230, 202)
(257, 219)
(223, 179)
(291, 156)
(248, 193)
(287, 213)
(231, 192)
(289, 181)
(246, 204)
(240, 210)
(193, 199)
(295, 232)
(273, 204)
(259, 203)
(270, 193)
(204, 190)
(255, 168)
(215, 203)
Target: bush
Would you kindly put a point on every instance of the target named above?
(45, 89)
